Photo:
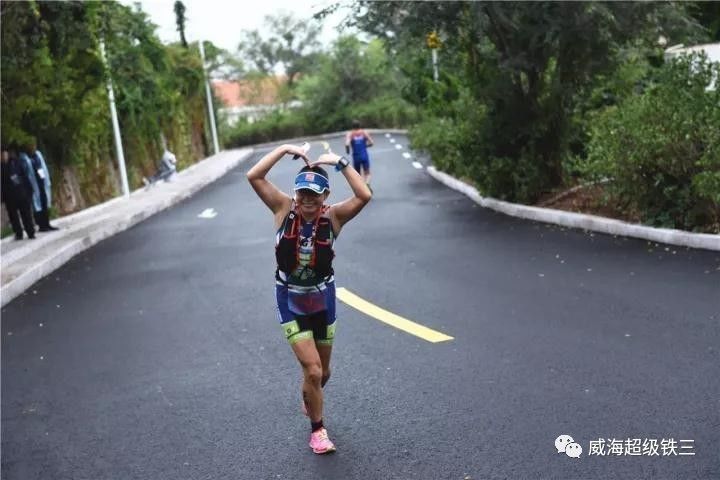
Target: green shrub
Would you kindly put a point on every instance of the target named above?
(383, 112)
(277, 125)
(457, 141)
(448, 132)
(661, 149)
(441, 138)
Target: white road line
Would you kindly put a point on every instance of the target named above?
(407, 155)
(417, 165)
(398, 146)
(208, 213)
(392, 140)
(387, 135)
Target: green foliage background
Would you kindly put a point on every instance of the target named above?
(527, 98)
(528, 90)
(532, 97)
(354, 80)
(661, 149)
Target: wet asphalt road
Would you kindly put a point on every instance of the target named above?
(159, 355)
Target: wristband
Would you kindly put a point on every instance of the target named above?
(342, 163)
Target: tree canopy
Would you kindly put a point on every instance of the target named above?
(529, 63)
(179, 8)
(292, 44)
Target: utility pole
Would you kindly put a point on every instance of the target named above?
(115, 124)
(211, 111)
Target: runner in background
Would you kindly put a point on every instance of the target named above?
(359, 140)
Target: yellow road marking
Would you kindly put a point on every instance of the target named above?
(390, 318)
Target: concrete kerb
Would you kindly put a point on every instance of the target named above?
(63, 222)
(21, 283)
(41, 269)
(580, 220)
(136, 211)
(42, 240)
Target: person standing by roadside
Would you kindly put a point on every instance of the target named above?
(42, 194)
(358, 140)
(17, 193)
(305, 232)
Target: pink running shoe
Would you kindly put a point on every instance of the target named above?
(320, 443)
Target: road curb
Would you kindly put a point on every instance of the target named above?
(26, 279)
(583, 221)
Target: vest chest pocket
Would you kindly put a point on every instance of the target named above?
(324, 235)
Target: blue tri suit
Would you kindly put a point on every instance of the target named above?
(358, 143)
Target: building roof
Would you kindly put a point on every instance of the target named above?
(263, 91)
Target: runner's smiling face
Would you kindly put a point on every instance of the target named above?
(310, 202)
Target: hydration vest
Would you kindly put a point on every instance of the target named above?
(287, 248)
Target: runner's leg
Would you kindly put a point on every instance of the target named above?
(325, 352)
(309, 358)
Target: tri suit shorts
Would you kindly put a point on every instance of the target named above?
(307, 312)
(361, 161)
